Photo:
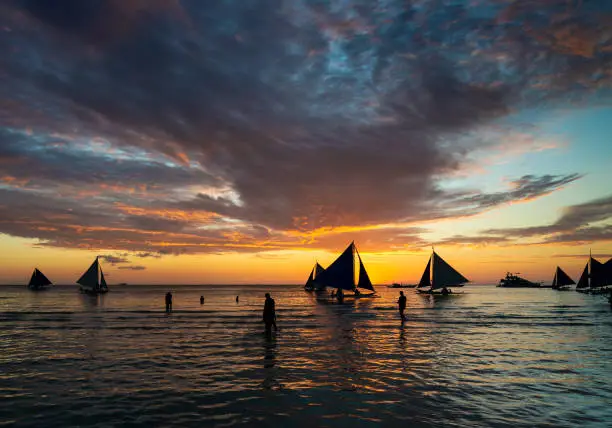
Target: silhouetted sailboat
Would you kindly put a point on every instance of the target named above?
(39, 281)
(561, 281)
(596, 277)
(439, 275)
(311, 283)
(92, 281)
(341, 274)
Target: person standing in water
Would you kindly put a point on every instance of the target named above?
(401, 302)
(237, 299)
(269, 314)
(201, 300)
(168, 301)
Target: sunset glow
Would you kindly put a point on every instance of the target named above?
(189, 146)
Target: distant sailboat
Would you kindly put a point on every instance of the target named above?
(39, 281)
(92, 281)
(311, 283)
(341, 274)
(561, 281)
(439, 275)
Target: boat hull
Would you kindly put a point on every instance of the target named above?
(39, 288)
(92, 292)
(438, 292)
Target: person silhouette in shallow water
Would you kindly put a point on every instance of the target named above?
(201, 300)
(269, 314)
(168, 301)
(237, 299)
(402, 305)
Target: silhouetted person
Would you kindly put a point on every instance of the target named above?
(340, 295)
(357, 292)
(445, 291)
(168, 301)
(237, 299)
(269, 314)
(401, 302)
(201, 300)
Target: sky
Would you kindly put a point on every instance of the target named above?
(239, 141)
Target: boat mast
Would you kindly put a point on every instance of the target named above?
(432, 261)
(353, 249)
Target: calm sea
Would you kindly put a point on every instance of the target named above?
(490, 357)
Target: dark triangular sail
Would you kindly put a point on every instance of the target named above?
(364, 278)
(562, 279)
(444, 275)
(33, 281)
(598, 273)
(583, 282)
(310, 279)
(90, 277)
(425, 279)
(608, 271)
(554, 281)
(38, 279)
(318, 270)
(341, 273)
(103, 285)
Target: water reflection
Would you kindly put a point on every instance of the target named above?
(270, 380)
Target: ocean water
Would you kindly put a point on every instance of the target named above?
(487, 358)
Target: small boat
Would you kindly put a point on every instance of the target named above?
(399, 285)
(439, 276)
(561, 281)
(311, 283)
(341, 276)
(39, 281)
(513, 280)
(92, 281)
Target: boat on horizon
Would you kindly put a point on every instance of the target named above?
(513, 280)
(341, 275)
(311, 283)
(561, 281)
(400, 285)
(39, 281)
(439, 276)
(92, 281)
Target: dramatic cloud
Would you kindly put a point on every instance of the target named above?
(170, 126)
(114, 260)
(132, 267)
(588, 222)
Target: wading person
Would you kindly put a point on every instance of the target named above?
(401, 302)
(269, 314)
(168, 301)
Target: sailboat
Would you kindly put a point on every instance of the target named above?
(92, 281)
(595, 278)
(561, 281)
(439, 275)
(311, 283)
(341, 274)
(39, 281)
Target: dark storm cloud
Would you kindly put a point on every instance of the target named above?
(314, 114)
